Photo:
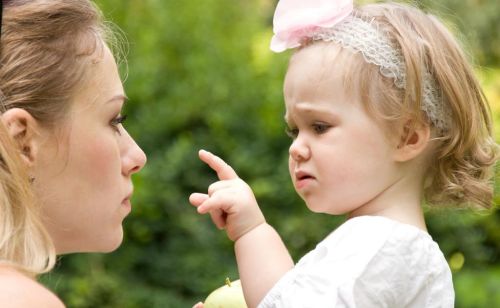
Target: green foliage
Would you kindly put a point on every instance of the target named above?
(476, 22)
(478, 287)
(200, 75)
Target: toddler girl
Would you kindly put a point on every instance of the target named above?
(385, 113)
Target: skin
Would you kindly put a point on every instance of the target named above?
(82, 168)
(338, 148)
(84, 176)
(21, 291)
(82, 165)
(341, 161)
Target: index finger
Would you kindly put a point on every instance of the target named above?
(224, 171)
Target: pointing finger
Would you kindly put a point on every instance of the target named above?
(224, 171)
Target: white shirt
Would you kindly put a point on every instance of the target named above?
(368, 261)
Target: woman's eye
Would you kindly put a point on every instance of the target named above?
(292, 132)
(320, 128)
(118, 120)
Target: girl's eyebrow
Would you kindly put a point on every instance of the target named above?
(306, 108)
(288, 119)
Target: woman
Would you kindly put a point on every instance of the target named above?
(66, 178)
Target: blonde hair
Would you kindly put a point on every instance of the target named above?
(24, 242)
(46, 47)
(462, 168)
(45, 50)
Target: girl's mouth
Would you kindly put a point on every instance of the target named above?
(302, 179)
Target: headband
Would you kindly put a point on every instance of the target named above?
(329, 20)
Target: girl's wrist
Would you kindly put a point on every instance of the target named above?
(254, 228)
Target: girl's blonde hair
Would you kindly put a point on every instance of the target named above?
(462, 169)
(46, 47)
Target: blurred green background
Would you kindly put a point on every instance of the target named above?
(200, 75)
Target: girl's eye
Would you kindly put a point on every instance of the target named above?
(320, 128)
(118, 120)
(292, 132)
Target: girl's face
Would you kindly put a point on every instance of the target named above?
(340, 160)
(83, 174)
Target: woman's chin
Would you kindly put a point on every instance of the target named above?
(103, 245)
(113, 245)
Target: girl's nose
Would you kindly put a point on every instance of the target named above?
(299, 150)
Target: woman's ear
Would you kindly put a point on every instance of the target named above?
(414, 139)
(22, 128)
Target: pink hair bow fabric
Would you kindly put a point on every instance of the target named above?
(293, 19)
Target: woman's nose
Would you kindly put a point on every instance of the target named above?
(133, 158)
(299, 150)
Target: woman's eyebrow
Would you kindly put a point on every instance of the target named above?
(119, 97)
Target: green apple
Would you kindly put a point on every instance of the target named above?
(227, 296)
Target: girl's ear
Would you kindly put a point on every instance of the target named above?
(22, 128)
(414, 139)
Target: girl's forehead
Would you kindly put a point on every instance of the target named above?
(324, 55)
(324, 68)
(318, 64)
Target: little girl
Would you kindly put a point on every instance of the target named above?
(385, 113)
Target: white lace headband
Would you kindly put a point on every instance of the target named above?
(362, 36)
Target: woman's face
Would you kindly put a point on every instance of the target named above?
(83, 168)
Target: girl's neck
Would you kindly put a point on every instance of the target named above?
(401, 202)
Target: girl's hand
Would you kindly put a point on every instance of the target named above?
(230, 201)
(198, 305)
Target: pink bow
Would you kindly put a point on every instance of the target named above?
(293, 19)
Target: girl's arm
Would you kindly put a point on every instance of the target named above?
(262, 260)
(261, 255)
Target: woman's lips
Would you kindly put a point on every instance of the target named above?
(126, 202)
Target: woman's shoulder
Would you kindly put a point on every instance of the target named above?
(19, 290)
